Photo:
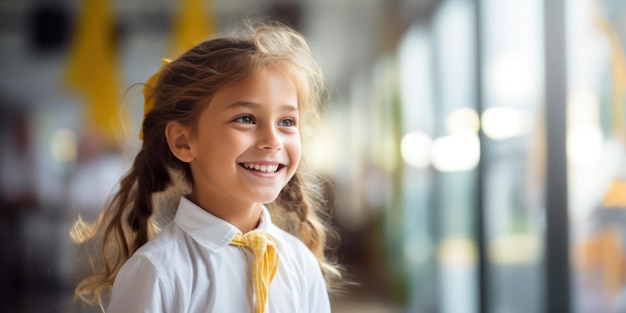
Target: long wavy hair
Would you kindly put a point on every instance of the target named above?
(182, 90)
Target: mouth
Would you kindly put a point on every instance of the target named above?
(262, 168)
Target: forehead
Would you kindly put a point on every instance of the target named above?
(270, 86)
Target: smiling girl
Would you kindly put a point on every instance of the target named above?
(226, 119)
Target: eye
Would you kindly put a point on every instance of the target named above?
(287, 122)
(246, 119)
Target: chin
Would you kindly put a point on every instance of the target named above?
(266, 197)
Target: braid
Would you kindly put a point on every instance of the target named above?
(303, 203)
(125, 224)
(151, 177)
(292, 199)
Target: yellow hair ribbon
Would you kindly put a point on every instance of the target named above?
(148, 87)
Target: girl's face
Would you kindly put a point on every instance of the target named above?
(247, 144)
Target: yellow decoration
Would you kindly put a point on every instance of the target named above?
(191, 26)
(92, 68)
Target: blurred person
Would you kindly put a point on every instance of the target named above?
(222, 138)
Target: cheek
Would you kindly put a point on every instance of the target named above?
(295, 149)
(233, 142)
(220, 151)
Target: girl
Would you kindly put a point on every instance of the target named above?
(226, 119)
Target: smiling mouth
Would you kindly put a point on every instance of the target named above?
(263, 168)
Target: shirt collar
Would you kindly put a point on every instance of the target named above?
(213, 232)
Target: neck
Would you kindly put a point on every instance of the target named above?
(244, 216)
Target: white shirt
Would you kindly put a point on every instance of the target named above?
(191, 267)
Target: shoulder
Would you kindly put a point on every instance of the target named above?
(141, 285)
(148, 278)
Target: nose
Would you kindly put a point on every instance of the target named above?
(269, 138)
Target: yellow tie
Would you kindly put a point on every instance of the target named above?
(265, 262)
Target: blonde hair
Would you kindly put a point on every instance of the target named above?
(181, 92)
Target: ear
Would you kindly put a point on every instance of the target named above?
(178, 137)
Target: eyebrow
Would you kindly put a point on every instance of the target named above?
(254, 105)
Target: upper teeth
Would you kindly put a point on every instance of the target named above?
(261, 167)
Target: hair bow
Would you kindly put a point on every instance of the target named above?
(148, 87)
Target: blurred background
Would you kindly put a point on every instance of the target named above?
(477, 148)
